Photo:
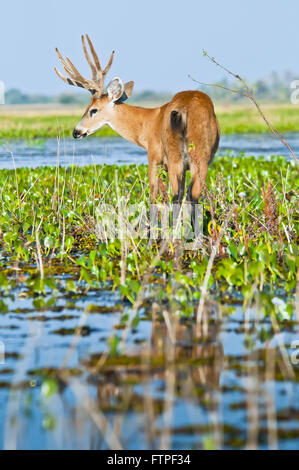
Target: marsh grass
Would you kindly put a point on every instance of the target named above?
(51, 227)
(57, 215)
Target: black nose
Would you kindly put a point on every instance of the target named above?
(76, 134)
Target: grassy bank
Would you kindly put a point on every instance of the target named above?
(38, 123)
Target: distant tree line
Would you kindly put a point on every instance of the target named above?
(15, 96)
(274, 89)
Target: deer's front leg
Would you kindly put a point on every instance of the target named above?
(153, 162)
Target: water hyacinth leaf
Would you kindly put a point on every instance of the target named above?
(69, 242)
(233, 250)
(135, 321)
(92, 256)
(282, 308)
(70, 285)
(85, 275)
(49, 387)
(3, 307)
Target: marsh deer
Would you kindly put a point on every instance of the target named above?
(182, 134)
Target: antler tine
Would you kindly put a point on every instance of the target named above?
(59, 55)
(75, 72)
(94, 54)
(107, 68)
(93, 69)
(69, 81)
(62, 76)
(64, 64)
(76, 79)
(96, 84)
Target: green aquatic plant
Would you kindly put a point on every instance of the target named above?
(52, 221)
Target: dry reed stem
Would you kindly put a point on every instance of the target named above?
(286, 367)
(170, 381)
(270, 399)
(38, 249)
(100, 420)
(204, 287)
(12, 421)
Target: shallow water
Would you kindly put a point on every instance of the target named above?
(118, 151)
(226, 388)
(229, 387)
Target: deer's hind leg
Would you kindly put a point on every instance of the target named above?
(177, 175)
(198, 177)
(176, 169)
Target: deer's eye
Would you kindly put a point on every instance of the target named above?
(93, 111)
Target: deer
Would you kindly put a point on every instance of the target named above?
(179, 135)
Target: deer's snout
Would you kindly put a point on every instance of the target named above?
(78, 134)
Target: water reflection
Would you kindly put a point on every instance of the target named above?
(172, 386)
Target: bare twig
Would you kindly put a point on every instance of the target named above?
(170, 380)
(100, 420)
(270, 398)
(38, 249)
(248, 94)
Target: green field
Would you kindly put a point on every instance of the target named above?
(232, 120)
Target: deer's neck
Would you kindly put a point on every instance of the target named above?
(134, 123)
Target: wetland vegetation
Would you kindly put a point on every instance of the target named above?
(108, 341)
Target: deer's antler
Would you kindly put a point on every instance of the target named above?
(96, 84)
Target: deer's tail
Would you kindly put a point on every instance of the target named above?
(178, 122)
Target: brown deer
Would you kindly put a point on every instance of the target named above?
(182, 134)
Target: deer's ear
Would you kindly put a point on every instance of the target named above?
(128, 89)
(115, 89)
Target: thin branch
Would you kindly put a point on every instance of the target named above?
(249, 95)
(219, 86)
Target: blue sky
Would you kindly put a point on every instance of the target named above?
(157, 42)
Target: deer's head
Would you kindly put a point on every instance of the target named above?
(100, 110)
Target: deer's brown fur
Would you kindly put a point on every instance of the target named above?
(181, 134)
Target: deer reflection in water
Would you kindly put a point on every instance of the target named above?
(175, 365)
